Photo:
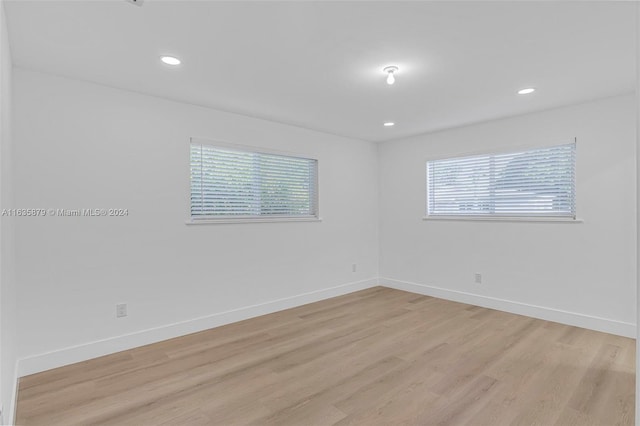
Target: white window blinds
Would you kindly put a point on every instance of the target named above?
(535, 183)
(230, 183)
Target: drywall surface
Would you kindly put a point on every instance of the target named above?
(579, 273)
(8, 308)
(637, 336)
(81, 145)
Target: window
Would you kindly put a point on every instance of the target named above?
(240, 183)
(535, 183)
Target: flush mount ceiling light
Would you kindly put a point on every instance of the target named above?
(170, 60)
(390, 77)
(526, 91)
(389, 124)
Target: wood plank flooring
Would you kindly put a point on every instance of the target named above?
(375, 357)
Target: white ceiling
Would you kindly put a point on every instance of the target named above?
(319, 64)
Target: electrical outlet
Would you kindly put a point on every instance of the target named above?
(354, 267)
(121, 310)
(478, 278)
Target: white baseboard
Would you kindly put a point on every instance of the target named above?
(10, 414)
(70, 355)
(570, 318)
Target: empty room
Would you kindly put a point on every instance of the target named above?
(318, 212)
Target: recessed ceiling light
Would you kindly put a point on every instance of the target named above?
(170, 60)
(390, 70)
(526, 91)
(389, 124)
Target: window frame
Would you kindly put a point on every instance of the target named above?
(248, 218)
(497, 217)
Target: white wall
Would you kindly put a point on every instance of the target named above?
(582, 274)
(637, 422)
(81, 145)
(8, 309)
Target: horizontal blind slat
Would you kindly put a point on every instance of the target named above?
(236, 183)
(529, 183)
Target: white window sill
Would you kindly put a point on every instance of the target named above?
(504, 219)
(253, 220)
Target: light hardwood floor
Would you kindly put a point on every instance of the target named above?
(378, 356)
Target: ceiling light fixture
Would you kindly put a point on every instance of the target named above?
(389, 124)
(526, 91)
(390, 77)
(170, 60)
